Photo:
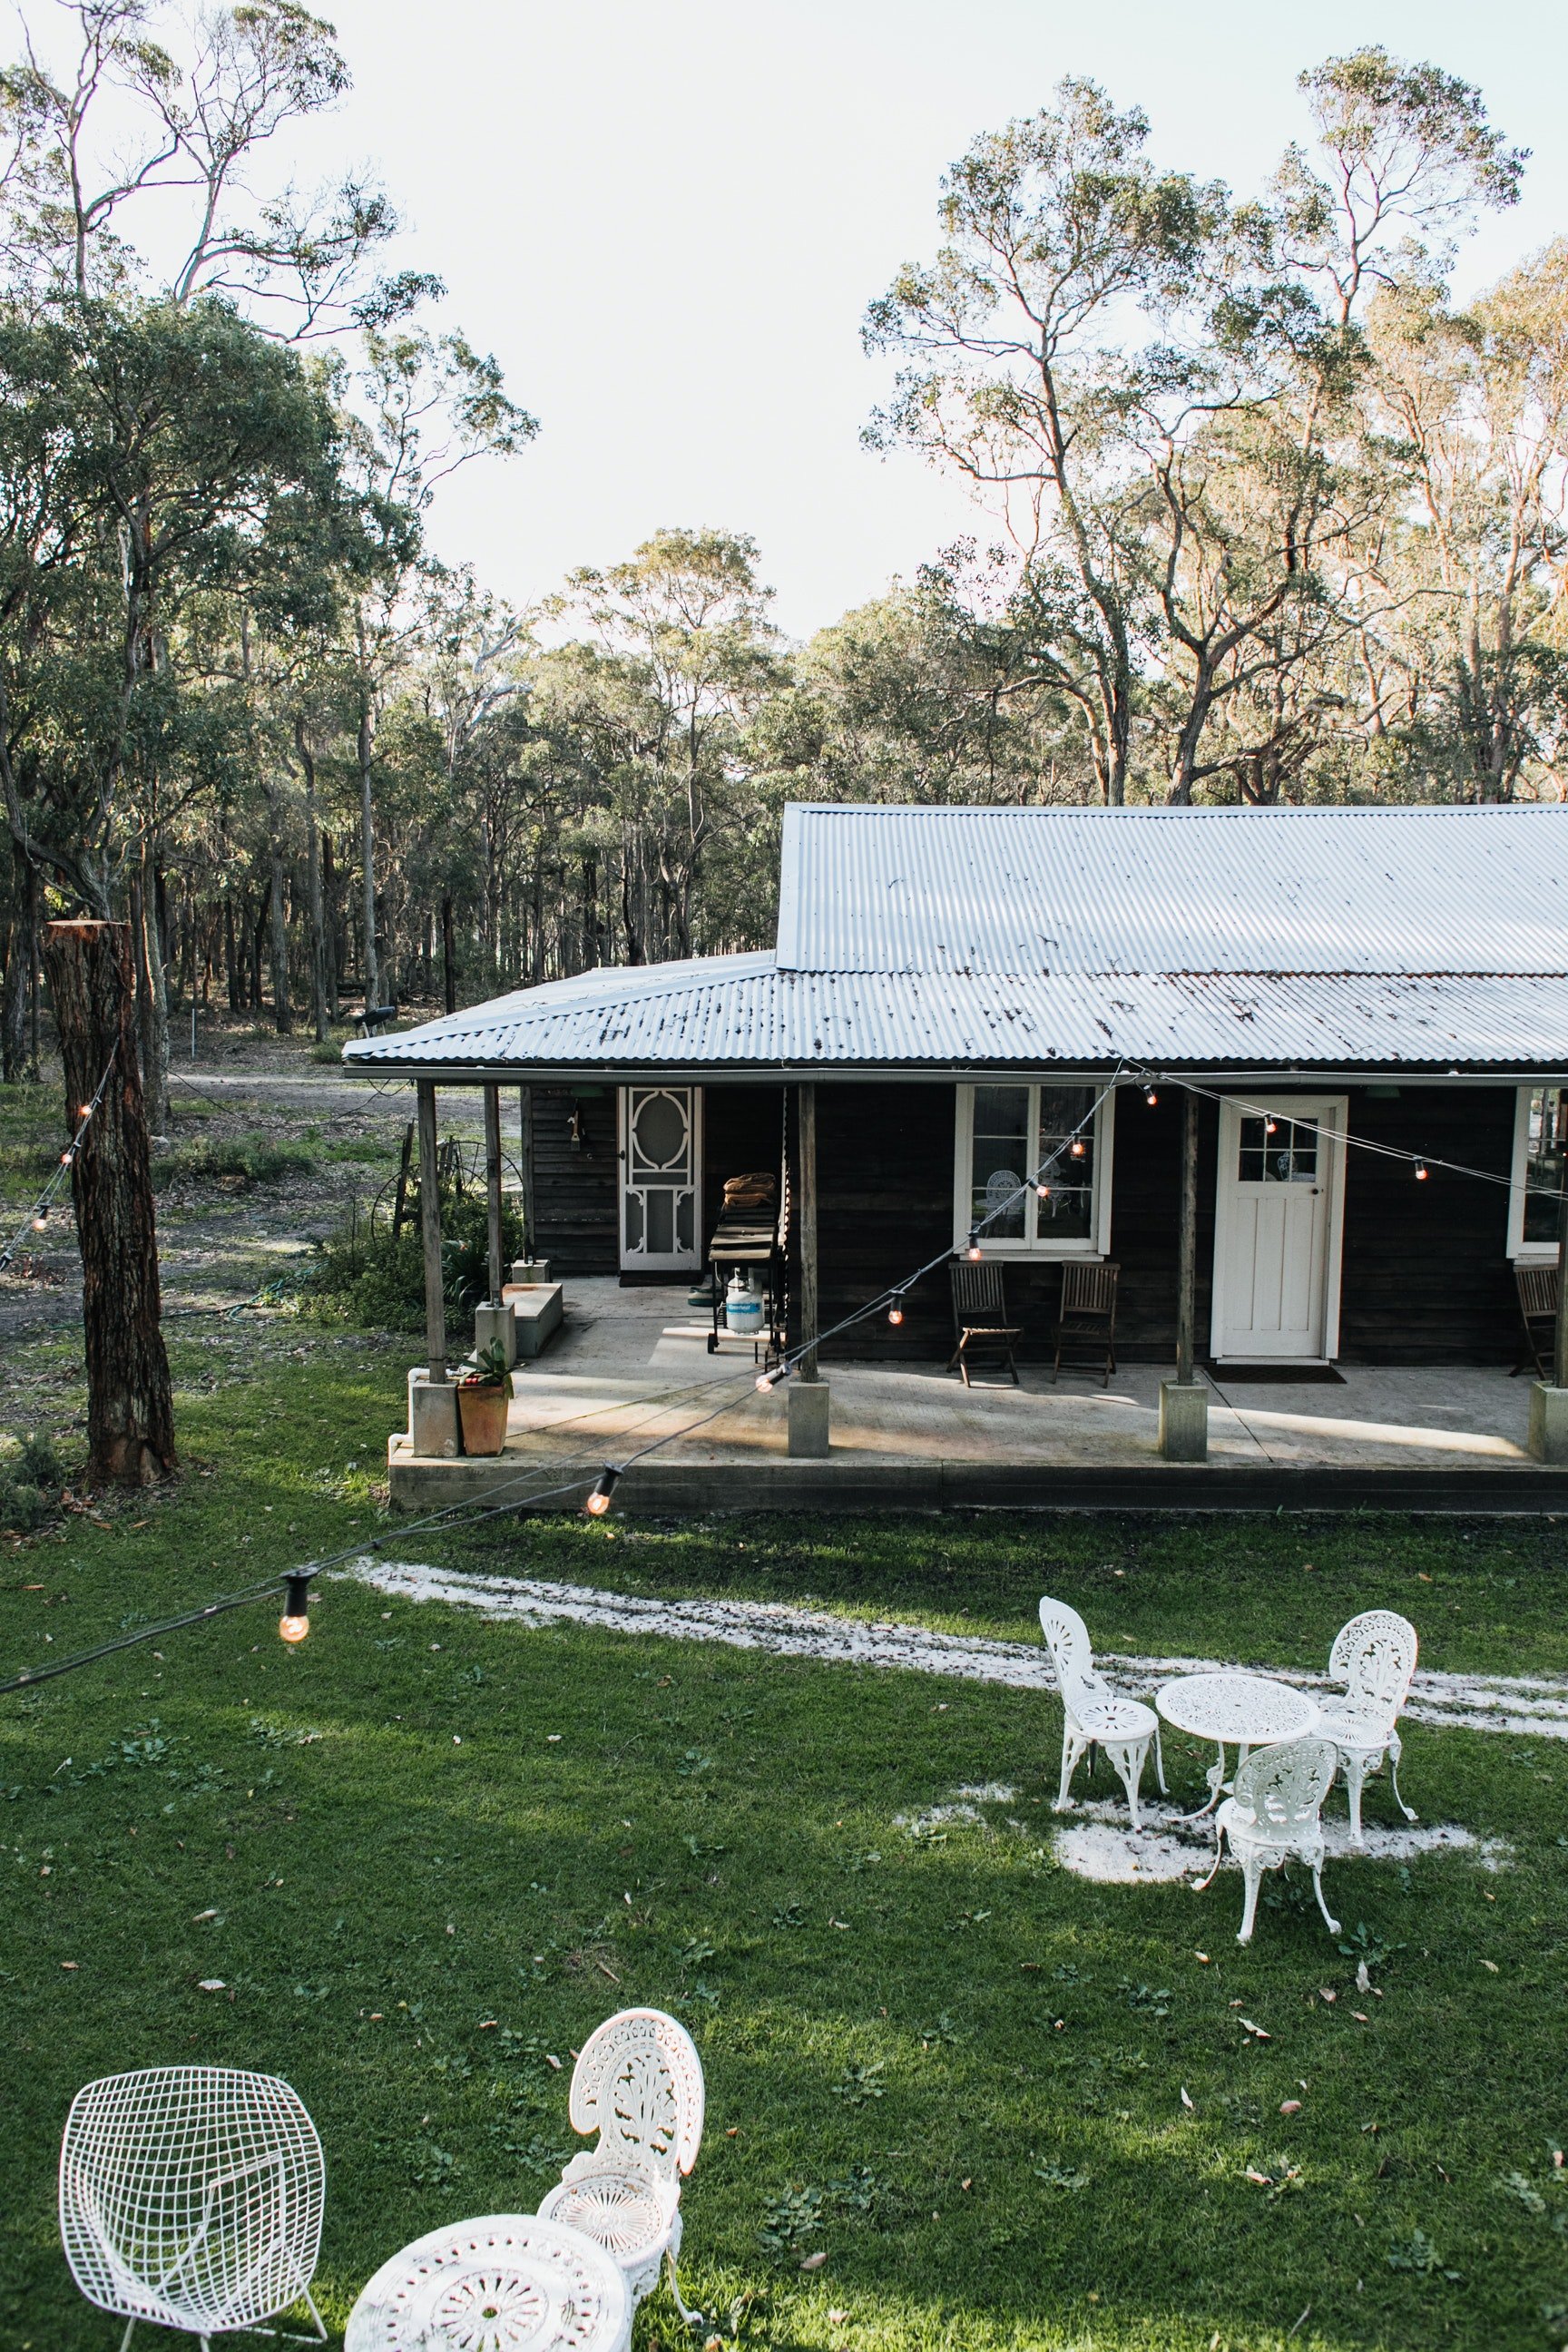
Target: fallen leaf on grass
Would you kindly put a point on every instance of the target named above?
(1186, 2099)
(815, 2262)
(1490, 1963)
(1290, 2106)
(1247, 2026)
(1361, 2017)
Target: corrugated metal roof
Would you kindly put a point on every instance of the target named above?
(942, 937)
(742, 1012)
(1011, 891)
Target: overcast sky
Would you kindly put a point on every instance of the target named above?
(667, 217)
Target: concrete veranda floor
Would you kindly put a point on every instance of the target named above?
(630, 1365)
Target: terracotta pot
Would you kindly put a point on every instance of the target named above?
(481, 1409)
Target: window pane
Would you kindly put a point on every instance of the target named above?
(1067, 1214)
(1274, 1150)
(1545, 1136)
(1000, 1160)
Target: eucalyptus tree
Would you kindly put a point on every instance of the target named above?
(1477, 401)
(419, 407)
(1058, 233)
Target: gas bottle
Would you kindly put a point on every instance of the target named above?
(743, 1306)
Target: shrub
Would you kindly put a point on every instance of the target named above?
(31, 1479)
(367, 1278)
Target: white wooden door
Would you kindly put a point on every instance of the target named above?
(1277, 1229)
(661, 1178)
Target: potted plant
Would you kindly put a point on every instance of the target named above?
(483, 1396)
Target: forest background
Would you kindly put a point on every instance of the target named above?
(1263, 514)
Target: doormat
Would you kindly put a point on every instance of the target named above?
(1276, 1375)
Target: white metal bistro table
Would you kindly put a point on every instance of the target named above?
(1245, 1710)
(506, 2283)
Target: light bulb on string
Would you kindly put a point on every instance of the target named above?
(1044, 1190)
(598, 1502)
(1270, 1127)
(972, 1249)
(41, 1220)
(295, 1622)
(1421, 1172)
(67, 1156)
(86, 1111)
(765, 1382)
(895, 1311)
(1149, 1097)
(1078, 1147)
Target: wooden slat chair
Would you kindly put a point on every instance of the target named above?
(1538, 1288)
(1086, 1324)
(980, 1325)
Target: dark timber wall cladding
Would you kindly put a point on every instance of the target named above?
(576, 1184)
(1426, 1277)
(575, 1203)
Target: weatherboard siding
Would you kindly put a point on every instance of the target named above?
(1425, 1274)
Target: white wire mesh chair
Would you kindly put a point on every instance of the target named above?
(1274, 1816)
(191, 2196)
(1095, 1715)
(638, 2084)
(1375, 1657)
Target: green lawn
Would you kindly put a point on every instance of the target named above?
(438, 1852)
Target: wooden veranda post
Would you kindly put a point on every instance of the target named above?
(806, 1211)
(525, 1131)
(1187, 1251)
(430, 1236)
(130, 1410)
(492, 1189)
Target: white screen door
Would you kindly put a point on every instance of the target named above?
(661, 1178)
(1277, 1229)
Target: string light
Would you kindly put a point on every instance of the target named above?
(38, 1215)
(1270, 1127)
(765, 1382)
(1149, 1097)
(295, 1622)
(895, 1311)
(1044, 1190)
(598, 1502)
(973, 1249)
(1078, 1147)
(1421, 1172)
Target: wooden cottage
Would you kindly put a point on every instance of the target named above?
(1333, 1040)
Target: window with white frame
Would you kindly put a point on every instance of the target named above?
(1540, 1151)
(1007, 1134)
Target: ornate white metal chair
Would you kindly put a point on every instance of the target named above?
(1094, 1713)
(1375, 1657)
(191, 2196)
(638, 2084)
(1273, 1817)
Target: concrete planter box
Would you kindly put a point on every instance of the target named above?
(537, 1309)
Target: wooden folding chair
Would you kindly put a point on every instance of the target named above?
(1086, 1324)
(980, 1323)
(1538, 1289)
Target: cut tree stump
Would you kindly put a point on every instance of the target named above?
(130, 1410)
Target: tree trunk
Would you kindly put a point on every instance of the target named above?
(448, 957)
(152, 1001)
(230, 958)
(367, 859)
(313, 835)
(19, 971)
(129, 1410)
(283, 1015)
